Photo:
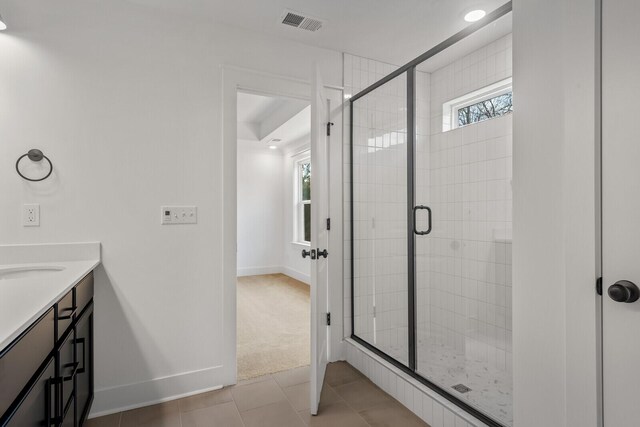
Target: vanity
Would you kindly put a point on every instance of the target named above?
(46, 334)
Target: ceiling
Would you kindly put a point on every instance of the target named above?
(394, 31)
(263, 119)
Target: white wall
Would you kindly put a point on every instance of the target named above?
(293, 263)
(554, 222)
(261, 209)
(126, 101)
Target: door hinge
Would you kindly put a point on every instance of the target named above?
(329, 124)
(328, 223)
(328, 319)
(599, 285)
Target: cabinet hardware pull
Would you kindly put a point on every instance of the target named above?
(73, 312)
(84, 355)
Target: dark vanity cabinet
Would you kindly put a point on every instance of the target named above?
(46, 374)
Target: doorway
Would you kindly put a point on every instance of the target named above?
(274, 226)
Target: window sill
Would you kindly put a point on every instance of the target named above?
(307, 244)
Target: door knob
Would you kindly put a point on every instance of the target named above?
(323, 253)
(624, 291)
(311, 253)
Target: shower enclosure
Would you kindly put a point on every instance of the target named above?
(431, 218)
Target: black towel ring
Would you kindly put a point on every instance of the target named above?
(34, 155)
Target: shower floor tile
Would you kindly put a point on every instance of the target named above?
(491, 388)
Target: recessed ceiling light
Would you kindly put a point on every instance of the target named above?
(475, 15)
(3, 26)
(273, 147)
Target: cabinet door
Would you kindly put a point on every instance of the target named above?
(37, 409)
(67, 370)
(84, 351)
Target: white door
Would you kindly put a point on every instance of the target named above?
(319, 236)
(620, 212)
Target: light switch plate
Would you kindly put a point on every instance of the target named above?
(31, 215)
(179, 215)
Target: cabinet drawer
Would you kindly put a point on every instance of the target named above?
(65, 310)
(84, 292)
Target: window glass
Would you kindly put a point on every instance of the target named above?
(305, 176)
(307, 222)
(487, 109)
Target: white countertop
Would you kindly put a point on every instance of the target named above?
(24, 300)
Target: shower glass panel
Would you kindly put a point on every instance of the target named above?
(431, 218)
(380, 262)
(463, 173)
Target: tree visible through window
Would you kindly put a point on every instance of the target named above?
(305, 199)
(487, 109)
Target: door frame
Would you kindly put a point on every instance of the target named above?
(248, 80)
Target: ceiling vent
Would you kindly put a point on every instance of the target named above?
(275, 140)
(300, 20)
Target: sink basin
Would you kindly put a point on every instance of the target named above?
(28, 272)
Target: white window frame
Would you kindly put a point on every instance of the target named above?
(298, 214)
(450, 108)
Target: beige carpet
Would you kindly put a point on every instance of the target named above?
(273, 324)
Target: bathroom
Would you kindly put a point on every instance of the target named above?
(494, 248)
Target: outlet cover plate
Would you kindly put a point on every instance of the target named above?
(31, 215)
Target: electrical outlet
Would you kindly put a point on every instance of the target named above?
(31, 215)
(179, 215)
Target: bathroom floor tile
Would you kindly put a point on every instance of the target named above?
(339, 373)
(363, 394)
(204, 400)
(293, 376)
(329, 396)
(336, 415)
(298, 396)
(162, 415)
(279, 414)
(223, 414)
(258, 394)
(390, 415)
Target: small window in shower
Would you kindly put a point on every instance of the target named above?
(486, 103)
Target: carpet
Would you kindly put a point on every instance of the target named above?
(273, 324)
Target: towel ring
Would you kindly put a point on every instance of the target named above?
(34, 155)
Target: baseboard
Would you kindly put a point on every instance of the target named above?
(131, 396)
(304, 278)
(256, 271)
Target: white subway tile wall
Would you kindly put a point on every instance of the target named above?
(463, 268)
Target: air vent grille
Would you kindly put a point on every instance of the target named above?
(293, 19)
(298, 20)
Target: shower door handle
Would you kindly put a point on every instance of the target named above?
(415, 222)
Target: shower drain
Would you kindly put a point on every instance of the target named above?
(461, 388)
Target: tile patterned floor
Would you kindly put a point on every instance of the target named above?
(278, 400)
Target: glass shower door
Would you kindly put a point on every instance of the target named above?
(380, 242)
(463, 266)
